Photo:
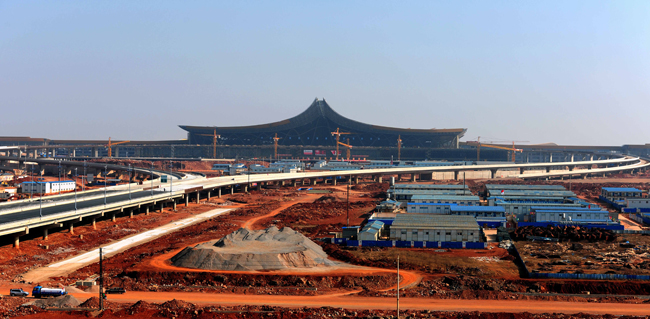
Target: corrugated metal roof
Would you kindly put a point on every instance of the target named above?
(434, 221)
(539, 187)
(569, 211)
(621, 189)
(429, 192)
(444, 197)
(429, 186)
(490, 209)
(593, 207)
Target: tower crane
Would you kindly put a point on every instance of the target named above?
(110, 146)
(478, 145)
(338, 135)
(399, 147)
(215, 136)
(275, 145)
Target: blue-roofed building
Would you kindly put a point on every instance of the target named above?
(620, 193)
(486, 216)
(575, 216)
(405, 195)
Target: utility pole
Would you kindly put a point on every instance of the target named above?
(101, 281)
(151, 171)
(105, 177)
(75, 188)
(129, 181)
(59, 177)
(83, 184)
(397, 286)
(40, 200)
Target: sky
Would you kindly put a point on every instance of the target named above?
(567, 72)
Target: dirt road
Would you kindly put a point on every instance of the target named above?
(250, 224)
(354, 302)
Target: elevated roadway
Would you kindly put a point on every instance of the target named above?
(193, 187)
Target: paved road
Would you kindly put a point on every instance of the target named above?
(33, 213)
(54, 198)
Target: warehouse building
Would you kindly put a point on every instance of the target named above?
(432, 227)
(637, 205)
(406, 195)
(486, 216)
(439, 204)
(620, 193)
(587, 216)
(47, 187)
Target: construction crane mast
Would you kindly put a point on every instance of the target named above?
(338, 135)
(275, 145)
(399, 147)
(111, 144)
(215, 136)
(478, 145)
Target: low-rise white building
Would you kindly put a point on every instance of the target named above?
(47, 187)
(643, 202)
(433, 227)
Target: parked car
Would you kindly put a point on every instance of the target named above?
(18, 292)
(115, 290)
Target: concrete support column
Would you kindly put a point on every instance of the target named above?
(571, 168)
(16, 241)
(209, 194)
(380, 179)
(334, 180)
(219, 192)
(162, 205)
(493, 173)
(521, 171)
(399, 177)
(245, 189)
(198, 197)
(113, 217)
(550, 157)
(146, 210)
(313, 181)
(548, 169)
(356, 180)
(259, 187)
(572, 156)
(232, 190)
(45, 233)
(131, 213)
(94, 223)
(281, 183)
(456, 175)
(187, 200)
(174, 204)
(414, 178)
(71, 228)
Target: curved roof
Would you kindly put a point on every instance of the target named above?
(318, 109)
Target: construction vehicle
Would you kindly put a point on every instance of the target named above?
(40, 292)
(111, 144)
(478, 145)
(215, 136)
(338, 135)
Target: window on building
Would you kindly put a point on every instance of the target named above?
(438, 233)
(448, 233)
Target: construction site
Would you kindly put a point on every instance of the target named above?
(270, 252)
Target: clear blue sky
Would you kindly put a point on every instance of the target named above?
(569, 72)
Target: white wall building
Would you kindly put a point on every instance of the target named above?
(47, 187)
(432, 227)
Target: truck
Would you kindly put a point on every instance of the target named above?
(40, 292)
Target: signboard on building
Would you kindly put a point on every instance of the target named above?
(320, 153)
(308, 152)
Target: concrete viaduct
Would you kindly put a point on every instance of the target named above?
(17, 223)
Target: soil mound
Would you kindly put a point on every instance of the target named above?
(67, 301)
(326, 199)
(268, 249)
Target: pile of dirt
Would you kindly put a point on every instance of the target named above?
(268, 249)
(326, 199)
(67, 301)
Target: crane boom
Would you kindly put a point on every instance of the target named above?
(111, 144)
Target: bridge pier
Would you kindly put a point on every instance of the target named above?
(356, 179)
(334, 180)
(493, 173)
(456, 175)
(113, 217)
(174, 204)
(414, 178)
(95, 223)
(380, 179)
(399, 177)
(313, 181)
(198, 196)
(209, 194)
(219, 192)
(17, 241)
(146, 210)
(71, 228)
(46, 233)
(187, 200)
(548, 169)
(259, 187)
